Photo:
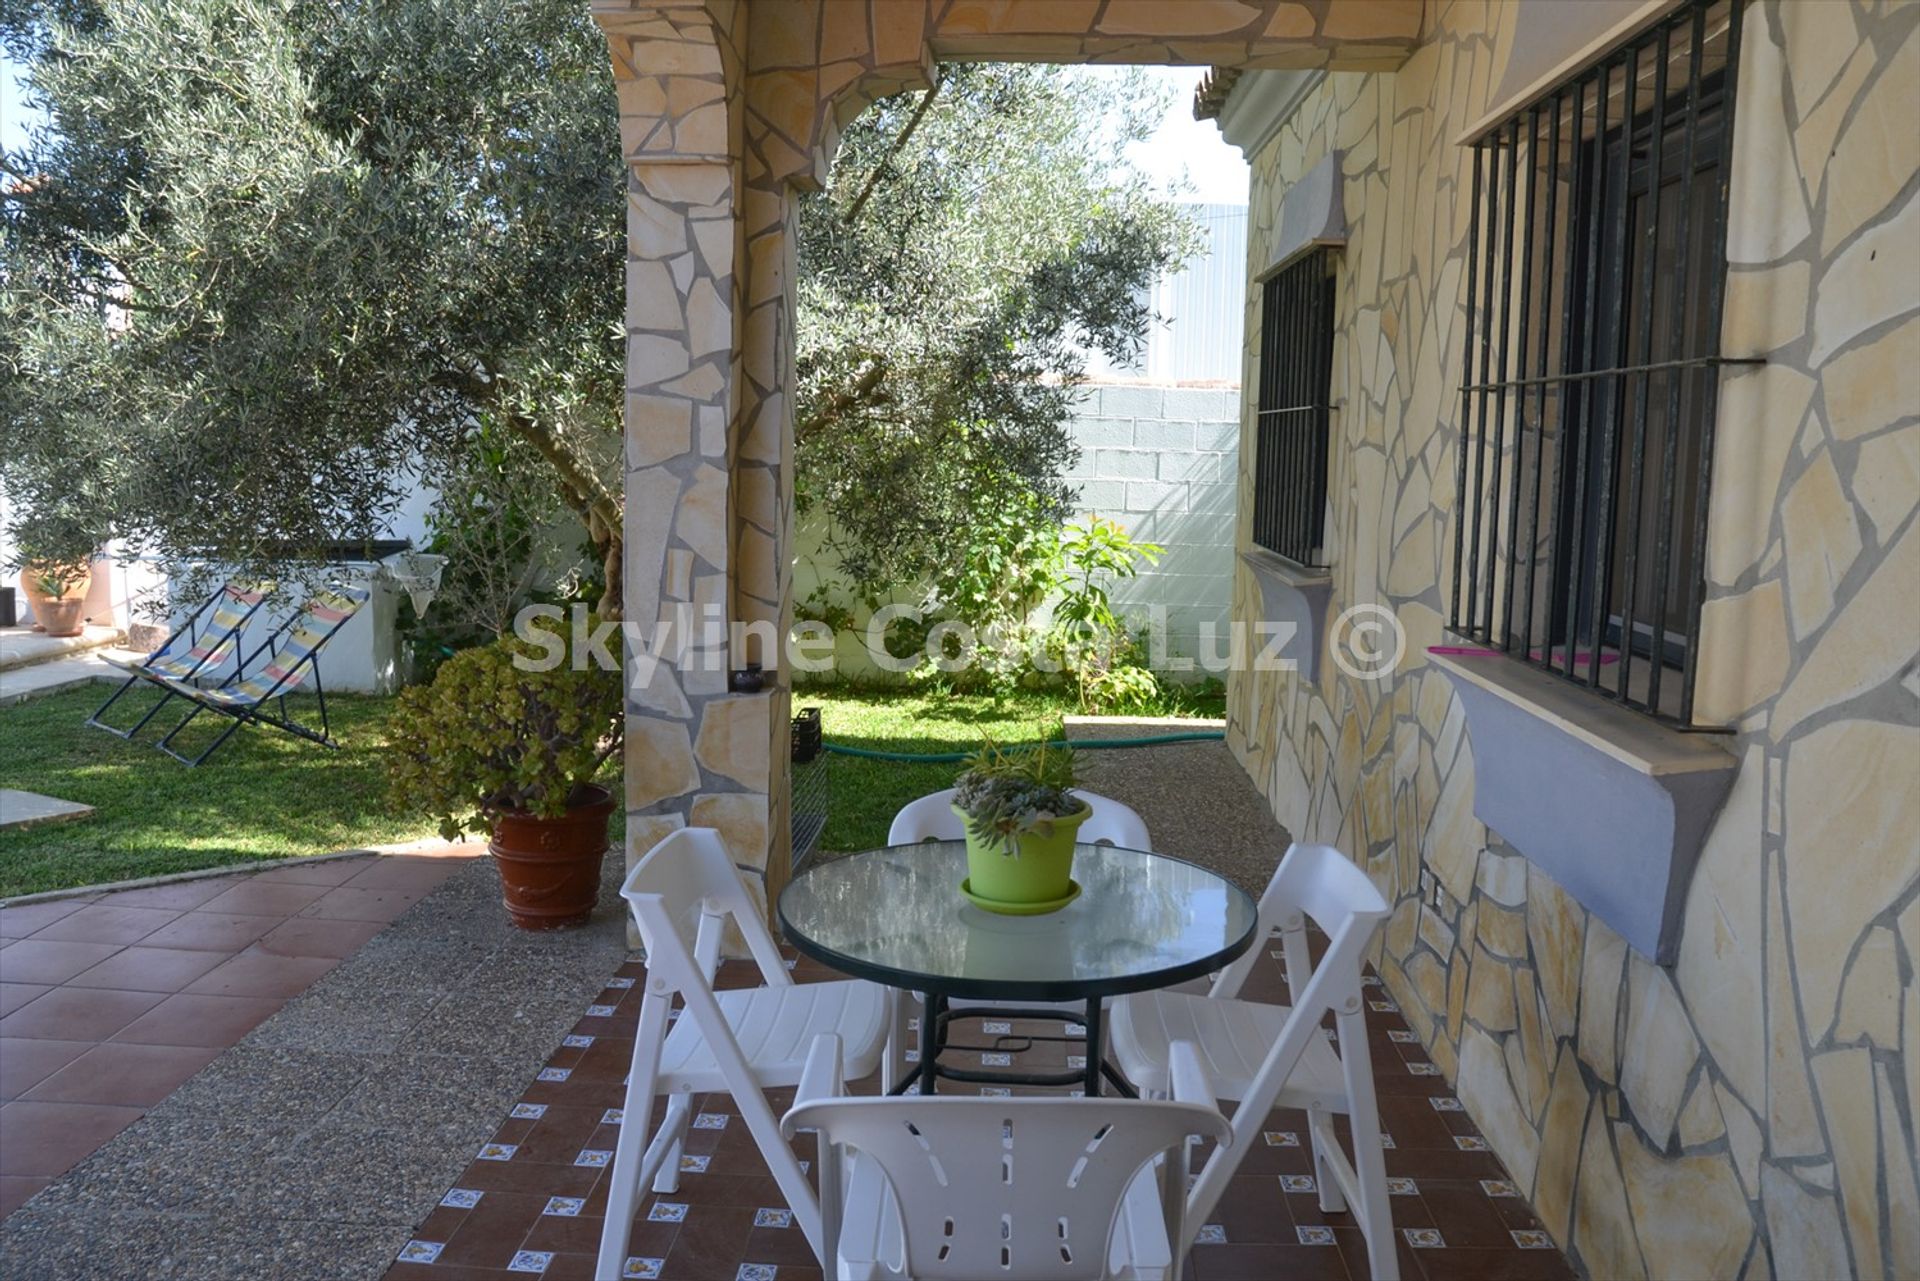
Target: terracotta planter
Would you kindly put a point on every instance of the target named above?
(550, 867)
(75, 578)
(61, 617)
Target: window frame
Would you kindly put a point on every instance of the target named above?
(1577, 376)
(1293, 410)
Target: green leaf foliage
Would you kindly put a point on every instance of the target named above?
(494, 734)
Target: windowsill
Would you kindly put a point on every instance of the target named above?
(1632, 738)
(1294, 595)
(1612, 805)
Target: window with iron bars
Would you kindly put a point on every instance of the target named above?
(1290, 430)
(1596, 266)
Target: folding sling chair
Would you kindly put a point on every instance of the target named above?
(290, 655)
(193, 655)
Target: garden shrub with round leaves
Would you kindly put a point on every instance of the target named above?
(490, 737)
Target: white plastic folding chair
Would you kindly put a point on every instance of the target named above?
(931, 818)
(1266, 1056)
(742, 1041)
(1013, 1188)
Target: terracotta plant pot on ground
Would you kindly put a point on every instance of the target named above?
(74, 580)
(550, 867)
(61, 617)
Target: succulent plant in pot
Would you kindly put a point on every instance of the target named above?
(506, 742)
(1022, 817)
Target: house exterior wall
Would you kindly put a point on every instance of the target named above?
(1750, 1110)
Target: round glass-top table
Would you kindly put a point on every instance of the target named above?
(896, 916)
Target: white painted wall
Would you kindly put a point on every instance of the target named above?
(1161, 460)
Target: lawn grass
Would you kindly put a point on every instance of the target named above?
(264, 795)
(867, 793)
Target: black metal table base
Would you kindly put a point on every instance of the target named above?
(935, 1016)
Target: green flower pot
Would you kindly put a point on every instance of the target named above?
(1040, 873)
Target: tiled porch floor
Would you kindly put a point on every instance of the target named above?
(532, 1201)
(108, 1002)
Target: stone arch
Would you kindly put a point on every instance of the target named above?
(728, 107)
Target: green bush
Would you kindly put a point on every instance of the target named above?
(488, 737)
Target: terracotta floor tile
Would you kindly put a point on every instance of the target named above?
(490, 1240)
(15, 995)
(183, 1019)
(399, 871)
(25, 1062)
(16, 1188)
(711, 1243)
(47, 961)
(332, 871)
(258, 898)
(19, 922)
(349, 904)
(181, 896)
(135, 1076)
(148, 969)
(78, 1014)
(212, 931)
(103, 923)
(48, 1139)
(315, 936)
(259, 973)
(1263, 1222)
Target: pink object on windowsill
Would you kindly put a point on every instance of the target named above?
(1467, 651)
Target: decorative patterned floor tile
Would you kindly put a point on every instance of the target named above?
(560, 1149)
(554, 1074)
(422, 1251)
(576, 1041)
(599, 1011)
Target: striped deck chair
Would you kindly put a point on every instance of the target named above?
(194, 655)
(289, 664)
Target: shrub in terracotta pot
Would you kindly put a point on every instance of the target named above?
(494, 746)
(1022, 818)
(57, 592)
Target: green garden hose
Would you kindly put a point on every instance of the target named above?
(948, 758)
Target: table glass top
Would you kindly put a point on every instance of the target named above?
(896, 915)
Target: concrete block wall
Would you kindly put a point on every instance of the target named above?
(1161, 460)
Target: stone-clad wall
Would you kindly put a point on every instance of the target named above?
(1750, 1111)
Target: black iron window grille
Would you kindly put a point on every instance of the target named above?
(1595, 277)
(1290, 439)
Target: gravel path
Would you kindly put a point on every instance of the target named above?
(1197, 801)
